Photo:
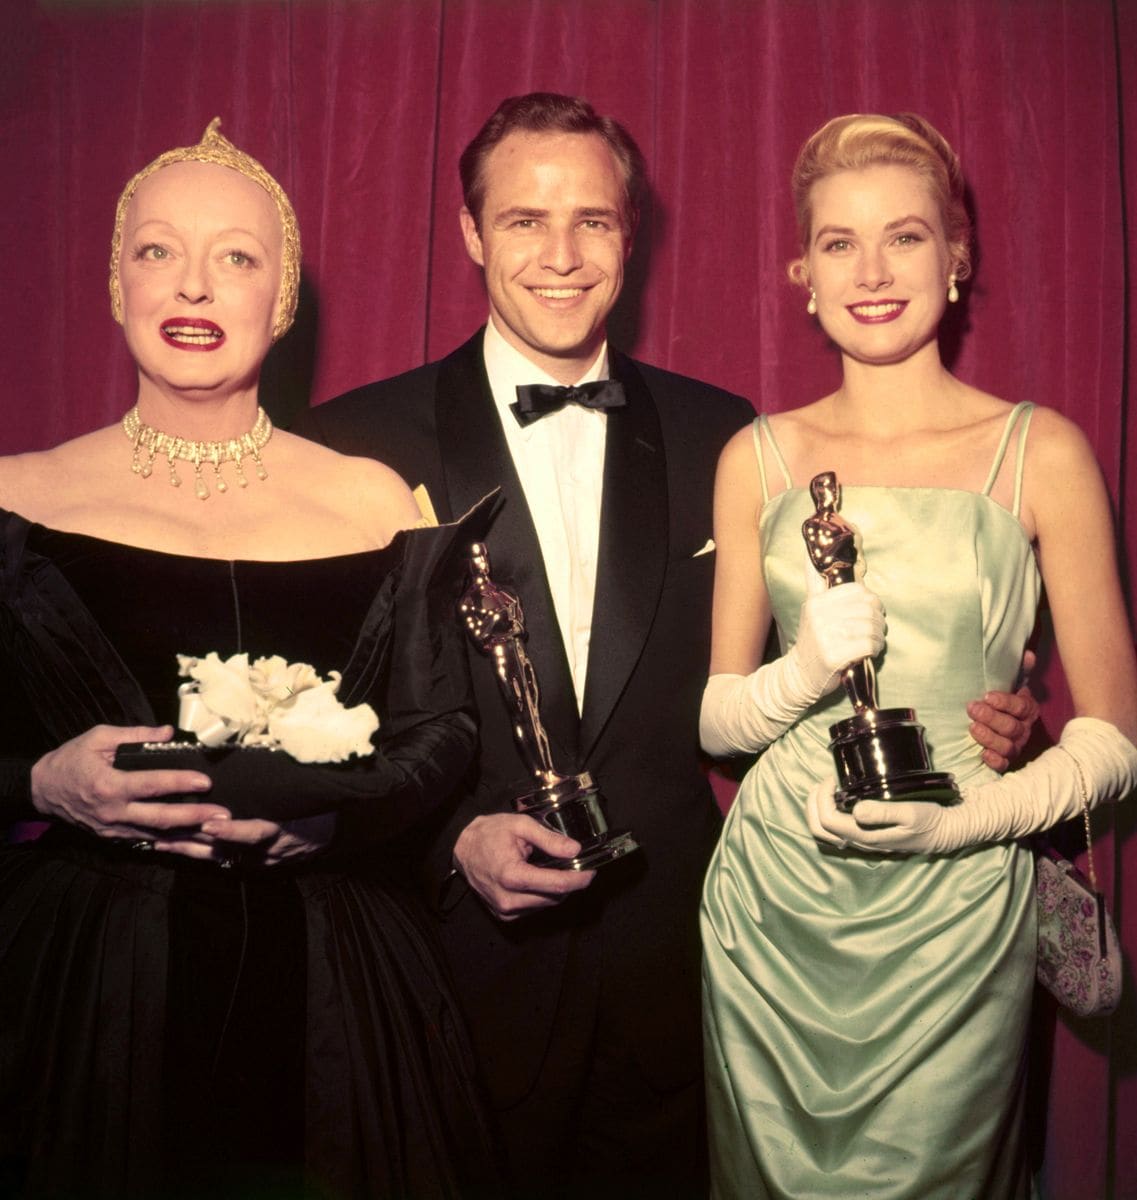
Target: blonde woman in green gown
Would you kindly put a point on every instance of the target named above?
(868, 975)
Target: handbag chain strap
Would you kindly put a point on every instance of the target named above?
(1099, 899)
(1085, 818)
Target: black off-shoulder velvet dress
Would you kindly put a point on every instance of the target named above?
(173, 1028)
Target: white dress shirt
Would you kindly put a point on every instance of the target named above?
(560, 462)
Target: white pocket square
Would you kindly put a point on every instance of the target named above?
(707, 549)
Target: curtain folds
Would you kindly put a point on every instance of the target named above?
(361, 109)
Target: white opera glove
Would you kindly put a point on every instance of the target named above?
(743, 713)
(1041, 794)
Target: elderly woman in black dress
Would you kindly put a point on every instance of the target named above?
(199, 997)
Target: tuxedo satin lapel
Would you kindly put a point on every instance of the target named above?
(470, 442)
(633, 548)
(476, 460)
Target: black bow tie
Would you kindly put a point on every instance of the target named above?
(537, 400)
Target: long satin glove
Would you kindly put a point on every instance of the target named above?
(743, 713)
(1041, 794)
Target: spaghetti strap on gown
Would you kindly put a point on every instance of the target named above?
(169, 1028)
(865, 1016)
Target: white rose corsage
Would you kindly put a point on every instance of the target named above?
(272, 704)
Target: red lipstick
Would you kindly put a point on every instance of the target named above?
(876, 312)
(191, 333)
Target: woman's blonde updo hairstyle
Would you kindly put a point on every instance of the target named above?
(860, 140)
(215, 148)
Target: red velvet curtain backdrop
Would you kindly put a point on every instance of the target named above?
(361, 109)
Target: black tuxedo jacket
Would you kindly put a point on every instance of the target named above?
(633, 934)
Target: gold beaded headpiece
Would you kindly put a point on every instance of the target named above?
(215, 148)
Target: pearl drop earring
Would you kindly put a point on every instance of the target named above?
(811, 307)
(952, 290)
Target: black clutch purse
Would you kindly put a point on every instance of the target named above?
(262, 781)
(172, 756)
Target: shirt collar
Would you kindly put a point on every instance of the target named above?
(507, 369)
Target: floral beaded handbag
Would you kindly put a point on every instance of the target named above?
(1079, 958)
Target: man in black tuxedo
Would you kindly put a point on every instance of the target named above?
(581, 988)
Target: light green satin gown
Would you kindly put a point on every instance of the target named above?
(865, 1016)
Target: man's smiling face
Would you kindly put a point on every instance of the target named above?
(552, 241)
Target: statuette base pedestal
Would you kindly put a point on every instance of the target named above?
(573, 807)
(880, 755)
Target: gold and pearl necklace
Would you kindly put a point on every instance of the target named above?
(146, 438)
